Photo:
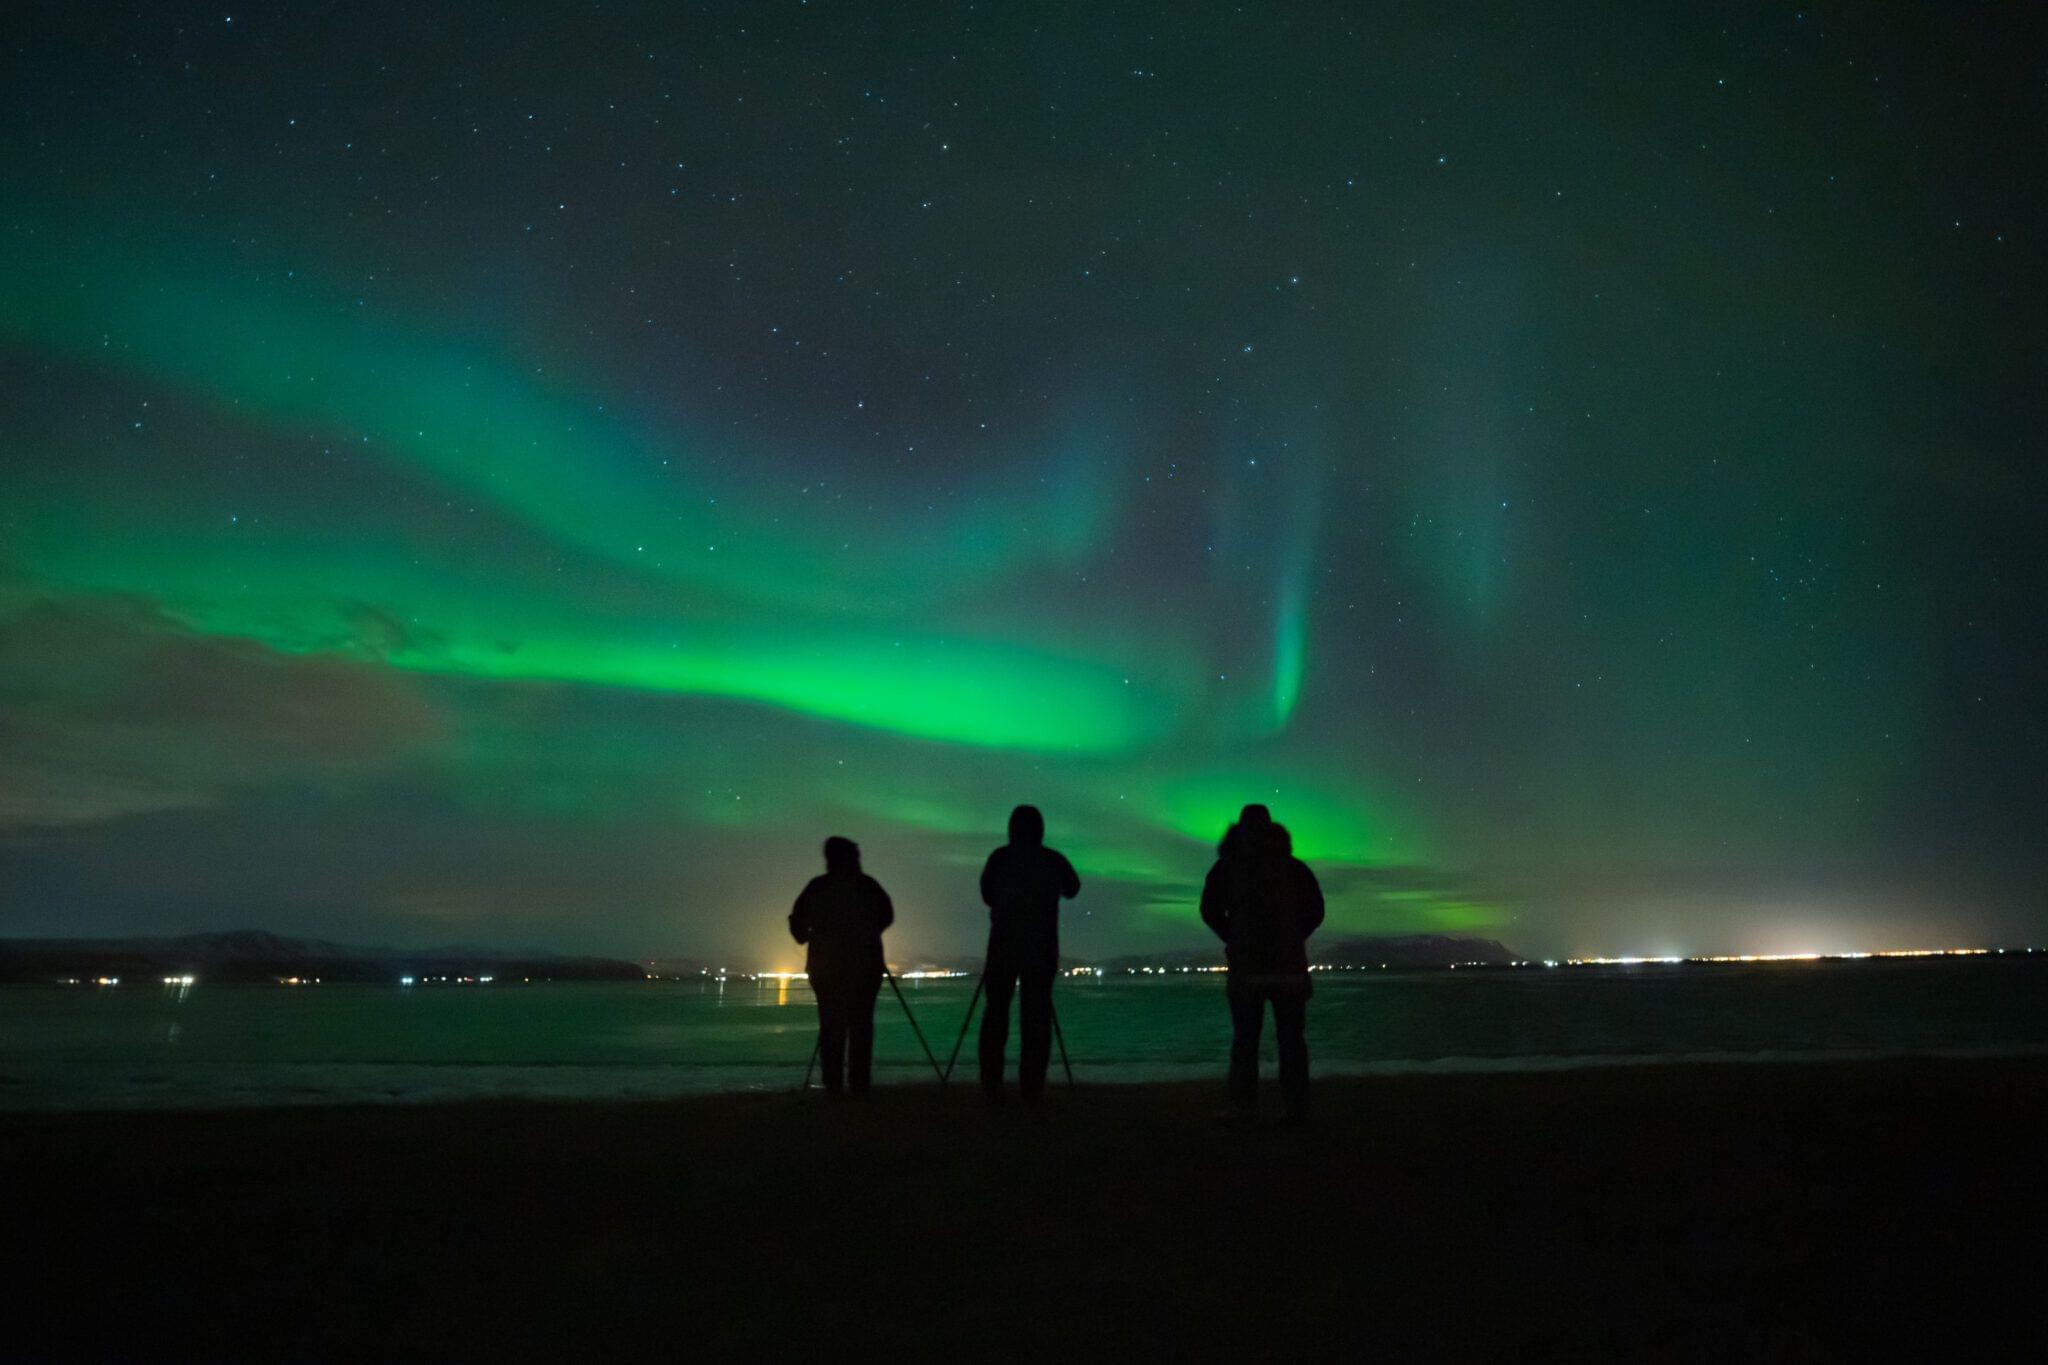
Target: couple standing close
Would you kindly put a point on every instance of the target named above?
(1260, 899)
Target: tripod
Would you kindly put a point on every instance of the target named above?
(974, 1000)
(819, 1046)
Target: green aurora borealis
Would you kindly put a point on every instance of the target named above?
(1583, 480)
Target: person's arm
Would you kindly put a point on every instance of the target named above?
(1215, 913)
(802, 916)
(988, 873)
(1070, 880)
(1311, 899)
(885, 909)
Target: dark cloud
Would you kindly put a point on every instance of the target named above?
(109, 708)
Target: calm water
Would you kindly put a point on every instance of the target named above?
(154, 1046)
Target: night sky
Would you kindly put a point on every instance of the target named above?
(525, 480)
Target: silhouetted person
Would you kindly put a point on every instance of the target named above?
(1263, 902)
(1022, 885)
(841, 916)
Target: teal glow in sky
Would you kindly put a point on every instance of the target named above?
(450, 498)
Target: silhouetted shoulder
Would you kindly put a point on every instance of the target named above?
(1307, 895)
(1070, 880)
(1215, 905)
(992, 874)
(884, 908)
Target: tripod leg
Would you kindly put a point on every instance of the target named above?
(928, 1053)
(816, 1048)
(1061, 1035)
(972, 1001)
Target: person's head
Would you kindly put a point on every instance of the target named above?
(1250, 835)
(1027, 826)
(1283, 842)
(841, 855)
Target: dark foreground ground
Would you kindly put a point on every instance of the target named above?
(1692, 1211)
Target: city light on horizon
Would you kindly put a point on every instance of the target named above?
(783, 977)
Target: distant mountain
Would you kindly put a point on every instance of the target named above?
(672, 968)
(1412, 950)
(1168, 961)
(255, 955)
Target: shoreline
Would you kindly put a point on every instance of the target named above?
(1786, 1209)
(894, 1076)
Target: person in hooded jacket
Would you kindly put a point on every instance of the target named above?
(1264, 902)
(1022, 884)
(840, 918)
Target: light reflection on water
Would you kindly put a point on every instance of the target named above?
(145, 1045)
